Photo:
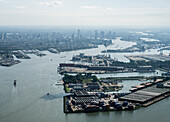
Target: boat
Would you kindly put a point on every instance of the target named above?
(15, 82)
(63, 56)
(142, 80)
(59, 84)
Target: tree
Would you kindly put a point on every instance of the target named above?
(94, 78)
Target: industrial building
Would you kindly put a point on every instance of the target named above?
(105, 68)
(147, 94)
(82, 97)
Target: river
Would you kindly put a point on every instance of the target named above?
(28, 102)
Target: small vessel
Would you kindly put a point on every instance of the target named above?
(142, 80)
(15, 82)
(63, 56)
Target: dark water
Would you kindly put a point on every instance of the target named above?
(28, 102)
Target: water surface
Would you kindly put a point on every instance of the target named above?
(28, 102)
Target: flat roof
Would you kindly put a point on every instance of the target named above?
(81, 93)
(145, 94)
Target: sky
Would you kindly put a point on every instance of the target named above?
(84, 12)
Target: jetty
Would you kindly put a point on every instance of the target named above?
(149, 94)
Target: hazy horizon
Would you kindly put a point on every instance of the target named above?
(152, 13)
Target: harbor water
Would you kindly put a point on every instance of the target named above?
(29, 102)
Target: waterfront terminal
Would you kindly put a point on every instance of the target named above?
(144, 95)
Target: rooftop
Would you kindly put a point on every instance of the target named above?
(81, 93)
(145, 94)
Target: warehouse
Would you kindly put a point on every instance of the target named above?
(146, 95)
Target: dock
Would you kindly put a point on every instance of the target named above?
(38, 53)
(149, 95)
(8, 60)
(143, 95)
(21, 55)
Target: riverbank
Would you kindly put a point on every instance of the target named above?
(95, 102)
(82, 101)
(37, 77)
(140, 78)
(6, 58)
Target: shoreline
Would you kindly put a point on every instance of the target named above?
(70, 107)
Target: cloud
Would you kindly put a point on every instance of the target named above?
(90, 7)
(138, 11)
(20, 7)
(109, 8)
(2, 0)
(52, 3)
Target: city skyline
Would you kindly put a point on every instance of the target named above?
(84, 13)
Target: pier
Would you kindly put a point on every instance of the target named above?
(148, 95)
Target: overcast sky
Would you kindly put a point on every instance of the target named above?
(85, 12)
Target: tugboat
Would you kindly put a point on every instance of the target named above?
(15, 82)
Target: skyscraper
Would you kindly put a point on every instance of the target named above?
(96, 34)
(109, 35)
(3, 36)
(102, 35)
(78, 34)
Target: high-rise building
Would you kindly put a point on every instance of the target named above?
(3, 36)
(78, 34)
(114, 33)
(109, 35)
(102, 35)
(96, 34)
(72, 36)
(53, 35)
(81, 36)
